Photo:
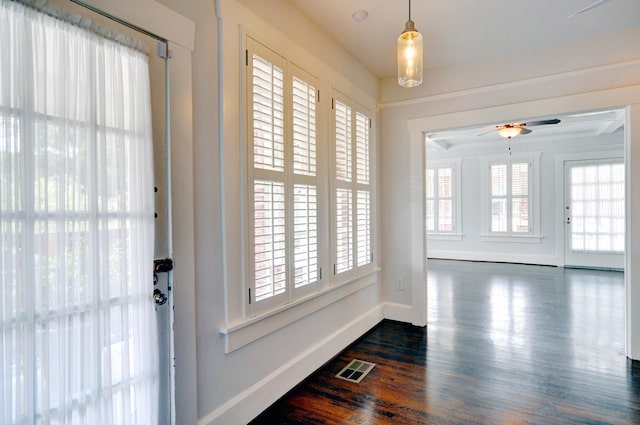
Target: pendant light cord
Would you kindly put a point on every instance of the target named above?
(409, 9)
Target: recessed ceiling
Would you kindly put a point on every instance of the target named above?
(588, 124)
(464, 31)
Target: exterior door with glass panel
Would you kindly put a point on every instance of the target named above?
(159, 289)
(594, 213)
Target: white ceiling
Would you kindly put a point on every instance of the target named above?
(462, 31)
(458, 32)
(592, 124)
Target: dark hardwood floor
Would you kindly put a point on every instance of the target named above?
(505, 344)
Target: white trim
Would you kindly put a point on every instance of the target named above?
(243, 332)
(529, 238)
(513, 85)
(445, 236)
(398, 312)
(632, 248)
(417, 213)
(246, 405)
(493, 257)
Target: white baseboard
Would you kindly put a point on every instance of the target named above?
(250, 403)
(547, 260)
(398, 312)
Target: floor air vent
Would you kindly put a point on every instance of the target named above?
(355, 371)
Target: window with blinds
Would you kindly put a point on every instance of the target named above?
(353, 233)
(269, 239)
(510, 197)
(282, 150)
(440, 203)
(305, 202)
(363, 190)
(268, 115)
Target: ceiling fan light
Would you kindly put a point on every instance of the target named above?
(410, 48)
(509, 131)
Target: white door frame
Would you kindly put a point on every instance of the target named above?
(618, 98)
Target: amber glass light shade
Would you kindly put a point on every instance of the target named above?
(509, 131)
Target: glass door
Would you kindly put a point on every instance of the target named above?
(159, 289)
(594, 213)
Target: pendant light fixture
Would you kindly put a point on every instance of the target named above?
(410, 55)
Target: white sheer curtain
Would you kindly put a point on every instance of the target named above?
(78, 333)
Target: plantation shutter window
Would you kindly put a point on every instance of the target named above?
(284, 245)
(268, 115)
(363, 197)
(269, 177)
(304, 128)
(364, 227)
(305, 235)
(353, 192)
(440, 202)
(520, 197)
(343, 140)
(499, 198)
(510, 197)
(344, 230)
(430, 207)
(344, 194)
(305, 202)
(269, 239)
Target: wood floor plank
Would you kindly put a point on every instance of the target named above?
(505, 344)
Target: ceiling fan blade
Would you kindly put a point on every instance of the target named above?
(543, 122)
(591, 6)
(525, 131)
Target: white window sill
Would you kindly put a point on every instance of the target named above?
(239, 333)
(512, 238)
(445, 236)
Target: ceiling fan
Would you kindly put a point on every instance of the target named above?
(511, 130)
(591, 6)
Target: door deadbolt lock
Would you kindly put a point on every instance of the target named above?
(159, 298)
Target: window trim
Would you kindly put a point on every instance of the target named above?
(456, 165)
(535, 204)
(239, 333)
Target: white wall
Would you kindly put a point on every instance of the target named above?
(546, 249)
(234, 387)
